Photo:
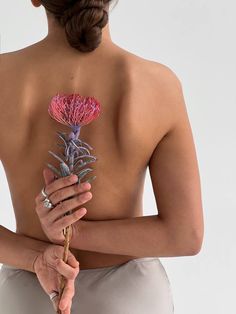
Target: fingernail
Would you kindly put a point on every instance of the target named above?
(86, 185)
(73, 178)
(62, 305)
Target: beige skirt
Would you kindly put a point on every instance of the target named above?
(139, 286)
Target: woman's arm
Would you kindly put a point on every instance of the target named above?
(18, 250)
(178, 228)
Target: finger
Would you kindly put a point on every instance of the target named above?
(61, 183)
(68, 309)
(68, 205)
(56, 213)
(67, 295)
(69, 191)
(69, 219)
(72, 261)
(66, 270)
(56, 185)
(48, 175)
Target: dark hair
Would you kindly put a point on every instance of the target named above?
(83, 20)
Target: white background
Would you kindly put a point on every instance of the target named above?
(196, 39)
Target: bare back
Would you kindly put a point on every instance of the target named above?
(123, 137)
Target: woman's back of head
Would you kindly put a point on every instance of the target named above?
(83, 20)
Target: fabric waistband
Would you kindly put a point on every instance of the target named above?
(136, 260)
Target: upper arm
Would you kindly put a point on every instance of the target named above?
(174, 170)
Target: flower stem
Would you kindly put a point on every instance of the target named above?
(67, 234)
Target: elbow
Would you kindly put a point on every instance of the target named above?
(193, 244)
(187, 242)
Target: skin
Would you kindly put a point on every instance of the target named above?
(144, 123)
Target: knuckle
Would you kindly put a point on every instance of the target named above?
(62, 207)
(44, 221)
(79, 198)
(72, 277)
(47, 190)
(76, 188)
(58, 195)
(65, 180)
(61, 223)
(68, 179)
(66, 220)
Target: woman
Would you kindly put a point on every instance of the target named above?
(143, 123)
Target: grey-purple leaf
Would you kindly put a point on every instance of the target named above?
(57, 172)
(83, 164)
(83, 172)
(91, 179)
(83, 143)
(85, 156)
(64, 140)
(63, 134)
(75, 144)
(83, 149)
(64, 169)
(80, 160)
(56, 156)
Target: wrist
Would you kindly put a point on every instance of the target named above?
(35, 261)
(36, 255)
(79, 235)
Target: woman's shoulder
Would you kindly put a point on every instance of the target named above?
(157, 74)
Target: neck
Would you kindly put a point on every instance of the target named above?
(57, 37)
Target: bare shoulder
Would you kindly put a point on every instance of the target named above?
(162, 75)
(15, 61)
(158, 87)
(11, 63)
(8, 69)
(13, 66)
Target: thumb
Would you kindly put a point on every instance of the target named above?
(48, 175)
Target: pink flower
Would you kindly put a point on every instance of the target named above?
(74, 110)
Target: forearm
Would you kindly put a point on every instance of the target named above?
(18, 250)
(136, 236)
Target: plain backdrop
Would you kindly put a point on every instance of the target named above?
(196, 39)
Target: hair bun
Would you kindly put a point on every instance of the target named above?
(83, 22)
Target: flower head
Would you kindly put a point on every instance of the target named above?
(74, 110)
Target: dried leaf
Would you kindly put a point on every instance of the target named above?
(83, 149)
(83, 172)
(56, 171)
(83, 143)
(85, 156)
(56, 156)
(91, 179)
(64, 169)
(83, 164)
(64, 140)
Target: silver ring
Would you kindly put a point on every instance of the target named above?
(53, 295)
(43, 192)
(47, 203)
